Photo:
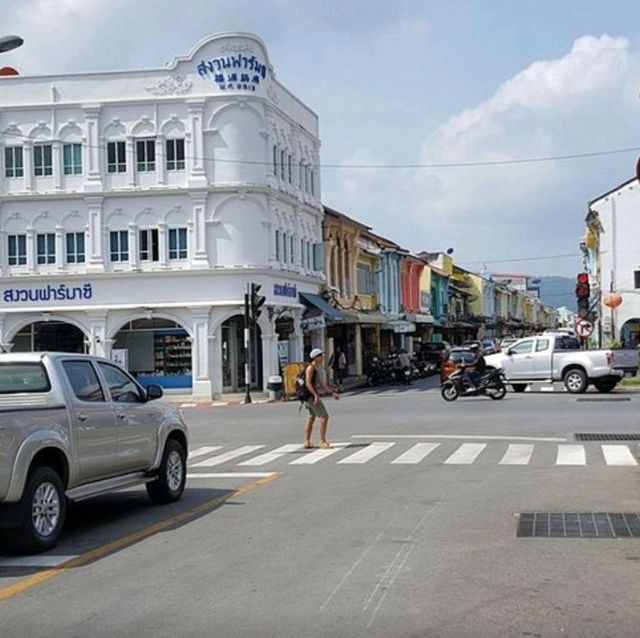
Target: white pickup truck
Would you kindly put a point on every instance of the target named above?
(559, 358)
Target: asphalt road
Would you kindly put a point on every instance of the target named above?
(407, 530)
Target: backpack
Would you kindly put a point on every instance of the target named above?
(301, 391)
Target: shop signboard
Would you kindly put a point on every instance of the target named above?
(401, 327)
(313, 323)
(120, 356)
(283, 353)
(285, 290)
(234, 72)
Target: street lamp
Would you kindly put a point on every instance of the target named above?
(10, 42)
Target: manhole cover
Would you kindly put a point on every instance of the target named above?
(606, 436)
(578, 525)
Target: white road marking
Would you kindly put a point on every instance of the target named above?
(317, 455)
(228, 475)
(228, 456)
(618, 455)
(571, 455)
(362, 456)
(486, 437)
(269, 457)
(36, 561)
(203, 451)
(517, 455)
(466, 454)
(416, 453)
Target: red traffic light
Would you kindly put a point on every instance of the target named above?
(582, 291)
(583, 278)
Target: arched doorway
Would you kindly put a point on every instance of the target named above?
(49, 336)
(233, 355)
(630, 333)
(155, 351)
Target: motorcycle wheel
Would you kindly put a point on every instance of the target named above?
(497, 393)
(449, 391)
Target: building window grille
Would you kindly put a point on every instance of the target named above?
(116, 157)
(13, 162)
(75, 248)
(177, 243)
(46, 248)
(42, 160)
(146, 156)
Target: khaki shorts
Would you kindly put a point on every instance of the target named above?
(317, 410)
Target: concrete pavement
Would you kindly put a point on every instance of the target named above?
(376, 548)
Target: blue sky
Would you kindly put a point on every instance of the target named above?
(411, 82)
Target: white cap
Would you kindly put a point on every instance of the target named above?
(316, 352)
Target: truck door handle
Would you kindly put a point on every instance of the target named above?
(122, 416)
(82, 417)
(529, 357)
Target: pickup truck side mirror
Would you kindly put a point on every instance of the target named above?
(154, 392)
(509, 352)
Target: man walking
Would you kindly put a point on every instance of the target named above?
(315, 384)
(338, 362)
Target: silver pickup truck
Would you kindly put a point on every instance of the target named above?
(73, 427)
(558, 358)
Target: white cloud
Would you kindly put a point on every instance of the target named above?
(579, 102)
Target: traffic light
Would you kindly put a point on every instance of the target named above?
(583, 292)
(256, 301)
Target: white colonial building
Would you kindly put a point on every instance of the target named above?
(136, 206)
(612, 257)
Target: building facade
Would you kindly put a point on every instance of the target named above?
(136, 206)
(610, 249)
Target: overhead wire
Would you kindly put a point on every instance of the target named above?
(429, 165)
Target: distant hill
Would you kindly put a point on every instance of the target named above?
(558, 291)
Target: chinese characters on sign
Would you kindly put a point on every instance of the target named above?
(47, 293)
(234, 72)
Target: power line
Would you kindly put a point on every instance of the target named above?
(468, 164)
(522, 259)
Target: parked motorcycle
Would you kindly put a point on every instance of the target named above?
(490, 384)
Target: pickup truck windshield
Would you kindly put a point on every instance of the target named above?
(23, 377)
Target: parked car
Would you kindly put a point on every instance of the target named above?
(455, 357)
(490, 346)
(507, 342)
(433, 351)
(558, 358)
(73, 427)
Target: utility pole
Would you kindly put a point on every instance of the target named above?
(247, 346)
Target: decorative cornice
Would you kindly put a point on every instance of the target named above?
(173, 85)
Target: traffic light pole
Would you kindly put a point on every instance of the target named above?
(247, 346)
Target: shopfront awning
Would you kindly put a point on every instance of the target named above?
(365, 318)
(421, 318)
(316, 301)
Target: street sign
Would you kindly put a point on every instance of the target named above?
(584, 328)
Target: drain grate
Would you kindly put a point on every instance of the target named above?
(603, 400)
(578, 525)
(606, 436)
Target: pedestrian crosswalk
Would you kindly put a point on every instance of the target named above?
(445, 453)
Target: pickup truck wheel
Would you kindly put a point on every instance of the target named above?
(43, 511)
(519, 387)
(605, 386)
(575, 381)
(172, 475)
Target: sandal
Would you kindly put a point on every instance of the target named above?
(325, 445)
(308, 446)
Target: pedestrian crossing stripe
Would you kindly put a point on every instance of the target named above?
(515, 454)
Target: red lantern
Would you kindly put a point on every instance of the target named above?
(612, 300)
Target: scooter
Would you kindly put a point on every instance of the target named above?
(490, 384)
